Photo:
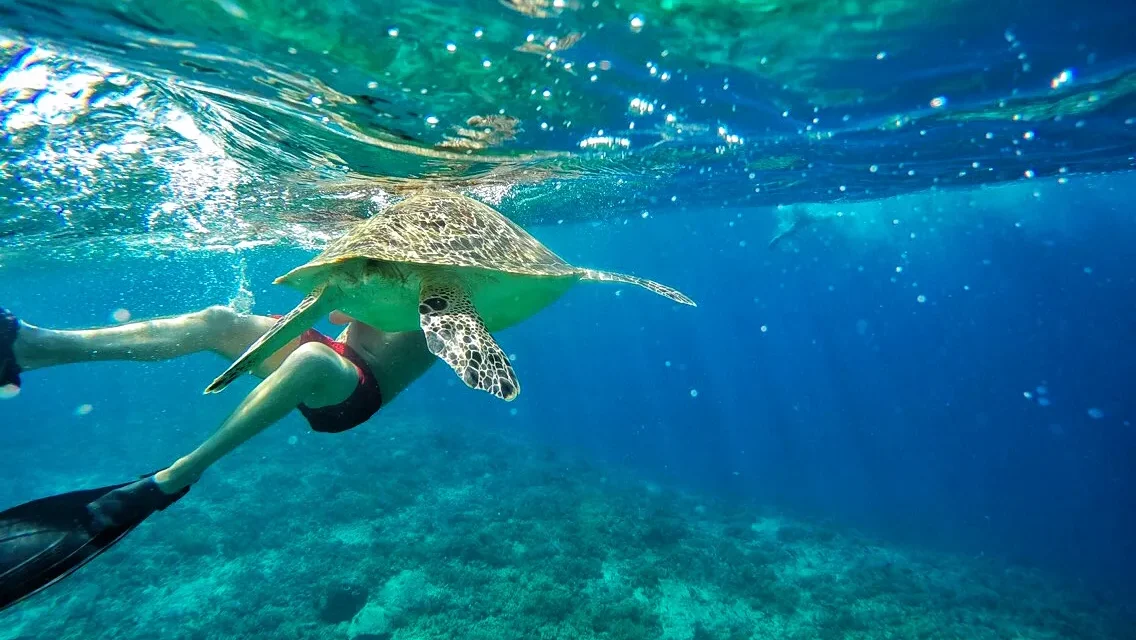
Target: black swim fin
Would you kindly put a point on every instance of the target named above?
(45, 540)
(9, 329)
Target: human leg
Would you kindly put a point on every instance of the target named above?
(44, 540)
(312, 375)
(217, 329)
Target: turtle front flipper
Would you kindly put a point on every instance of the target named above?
(455, 333)
(286, 329)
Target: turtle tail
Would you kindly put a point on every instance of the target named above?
(651, 285)
(286, 329)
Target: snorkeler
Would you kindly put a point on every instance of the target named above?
(336, 384)
(798, 218)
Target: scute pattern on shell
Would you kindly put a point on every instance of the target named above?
(446, 229)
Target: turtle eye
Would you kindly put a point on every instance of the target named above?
(435, 303)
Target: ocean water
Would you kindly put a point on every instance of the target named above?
(911, 417)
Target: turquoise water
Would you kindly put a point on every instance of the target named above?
(910, 417)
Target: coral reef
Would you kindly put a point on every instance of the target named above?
(342, 602)
(409, 530)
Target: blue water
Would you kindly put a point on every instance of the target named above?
(934, 379)
(814, 380)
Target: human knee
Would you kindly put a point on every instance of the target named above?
(311, 359)
(311, 352)
(217, 318)
(318, 372)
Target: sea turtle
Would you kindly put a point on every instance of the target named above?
(441, 262)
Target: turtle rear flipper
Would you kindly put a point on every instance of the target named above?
(286, 329)
(455, 333)
(596, 275)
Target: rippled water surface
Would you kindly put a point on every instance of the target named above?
(147, 125)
